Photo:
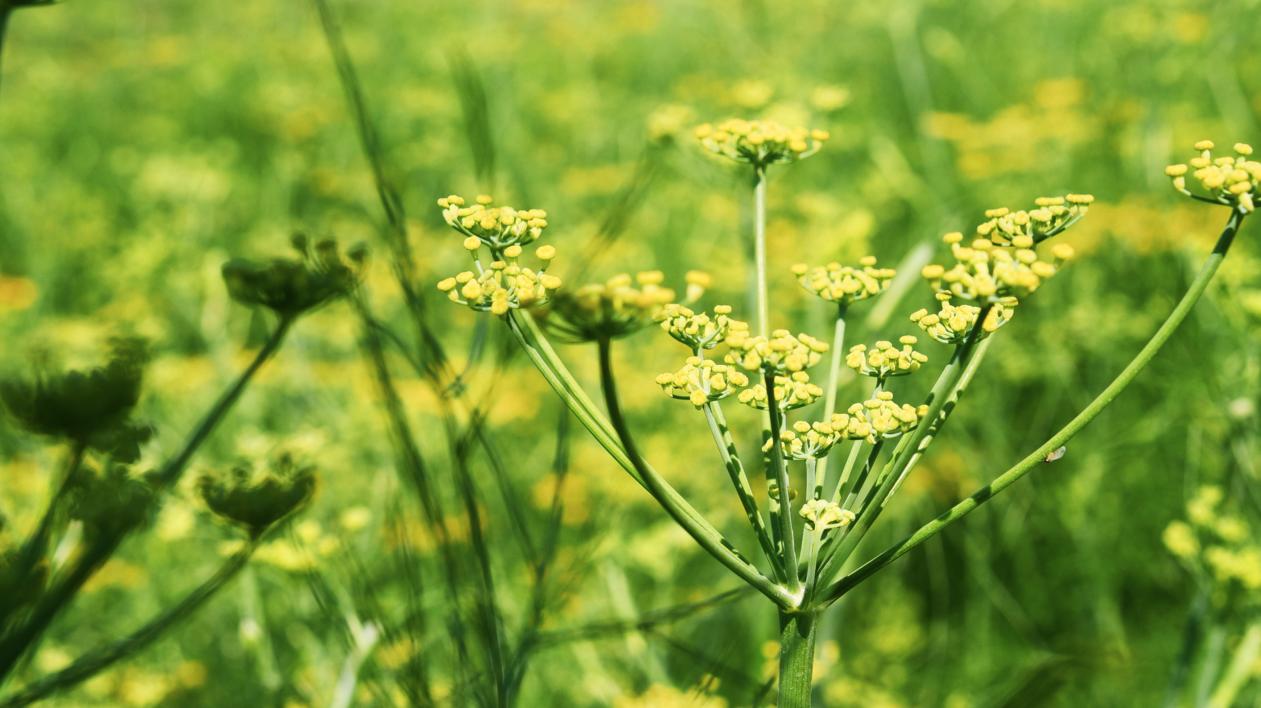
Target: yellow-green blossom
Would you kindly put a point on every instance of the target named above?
(618, 307)
(791, 391)
(952, 323)
(885, 418)
(698, 330)
(825, 514)
(1180, 539)
(990, 272)
(760, 142)
(497, 227)
(781, 353)
(845, 284)
(1049, 217)
(702, 381)
(504, 285)
(803, 440)
(1229, 180)
(884, 360)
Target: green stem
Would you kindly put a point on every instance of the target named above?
(829, 401)
(96, 661)
(678, 509)
(759, 250)
(731, 460)
(5, 11)
(777, 469)
(797, 631)
(1239, 670)
(1036, 458)
(170, 472)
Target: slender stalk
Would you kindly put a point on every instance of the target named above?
(829, 400)
(5, 11)
(797, 632)
(96, 661)
(759, 250)
(35, 546)
(711, 541)
(777, 471)
(1180, 312)
(731, 460)
(170, 472)
(1238, 671)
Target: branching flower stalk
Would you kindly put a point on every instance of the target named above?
(992, 273)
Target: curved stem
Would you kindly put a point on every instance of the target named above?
(1087, 414)
(683, 514)
(731, 460)
(98, 660)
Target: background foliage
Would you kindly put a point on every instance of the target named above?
(140, 145)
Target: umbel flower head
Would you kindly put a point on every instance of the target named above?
(496, 227)
(844, 284)
(699, 331)
(884, 360)
(793, 390)
(1220, 543)
(882, 418)
(504, 284)
(804, 440)
(989, 271)
(618, 307)
(1050, 216)
(760, 143)
(256, 499)
(290, 287)
(823, 514)
(781, 353)
(88, 407)
(1229, 180)
(950, 324)
(702, 381)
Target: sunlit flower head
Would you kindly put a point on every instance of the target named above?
(702, 381)
(1231, 180)
(951, 323)
(496, 227)
(803, 440)
(791, 391)
(884, 359)
(781, 353)
(760, 143)
(617, 307)
(1050, 216)
(884, 418)
(823, 514)
(504, 284)
(988, 271)
(845, 284)
(700, 330)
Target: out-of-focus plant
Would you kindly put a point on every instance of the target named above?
(1220, 549)
(108, 498)
(809, 530)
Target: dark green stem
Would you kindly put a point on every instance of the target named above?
(797, 632)
(94, 662)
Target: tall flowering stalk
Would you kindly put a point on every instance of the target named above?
(806, 533)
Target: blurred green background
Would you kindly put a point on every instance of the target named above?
(143, 143)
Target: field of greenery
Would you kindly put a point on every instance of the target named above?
(467, 541)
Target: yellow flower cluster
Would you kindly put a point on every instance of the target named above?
(791, 391)
(885, 360)
(781, 353)
(618, 307)
(702, 381)
(1049, 217)
(845, 284)
(880, 417)
(1227, 180)
(759, 142)
(504, 285)
(496, 227)
(820, 514)
(990, 271)
(951, 323)
(803, 440)
(1223, 543)
(698, 330)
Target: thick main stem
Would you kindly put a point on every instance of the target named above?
(1037, 457)
(797, 631)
